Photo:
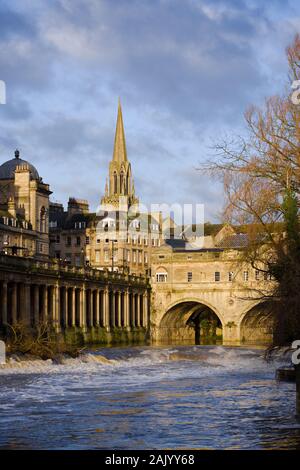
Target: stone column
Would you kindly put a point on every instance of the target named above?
(113, 310)
(45, 304)
(83, 307)
(126, 309)
(14, 304)
(145, 310)
(90, 306)
(65, 307)
(138, 313)
(73, 317)
(36, 304)
(106, 308)
(119, 309)
(133, 309)
(97, 300)
(4, 303)
(56, 307)
(52, 305)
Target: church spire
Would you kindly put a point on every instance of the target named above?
(120, 183)
(120, 153)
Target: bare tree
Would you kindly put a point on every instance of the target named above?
(261, 178)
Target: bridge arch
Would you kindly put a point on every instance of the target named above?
(257, 323)
(190, 320)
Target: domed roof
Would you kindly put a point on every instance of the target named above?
(7, 169)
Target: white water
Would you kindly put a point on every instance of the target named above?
(144, 397)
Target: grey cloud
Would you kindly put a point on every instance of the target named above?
(184, 70)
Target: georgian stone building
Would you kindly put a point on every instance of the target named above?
(24, 210)
(118, 237)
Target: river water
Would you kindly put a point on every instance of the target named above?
(181, 397)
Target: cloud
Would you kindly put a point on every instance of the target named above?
(185, 71)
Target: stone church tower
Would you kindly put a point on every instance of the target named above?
(119, 189)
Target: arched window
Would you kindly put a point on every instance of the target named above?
(128, 184)
(122, 183)
(43, 220)
(115, 183)
(161, 275)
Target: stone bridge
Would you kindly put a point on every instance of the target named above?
(185, 289)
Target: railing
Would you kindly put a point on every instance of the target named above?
(60, 268)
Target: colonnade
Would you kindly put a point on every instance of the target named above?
(64, 305)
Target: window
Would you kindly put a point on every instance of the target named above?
(189, 277)
(161, 277)
(115, 183)
(257, 275)
(230, 276)
(135, 224)
(80, 225)
(267, 277)
(146, 257)
(57, 254)
(77, 260)
(97, 256)
(52, 224)
(128, 256)
(87, 240)
(57, 239)
(98, 240)
(146, 241)
(106, 256)
(140, 257)
(69, 241)
(246, 276)
(217, 276)
(134, 256)
(122, 189)
(78, 241)
(68, 258)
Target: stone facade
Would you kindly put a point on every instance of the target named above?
(80, 303)
(188, 283)
(24, 210)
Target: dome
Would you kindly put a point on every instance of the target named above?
(7, 169)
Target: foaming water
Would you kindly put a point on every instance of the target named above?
(179, 397)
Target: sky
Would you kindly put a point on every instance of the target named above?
(185, 71)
